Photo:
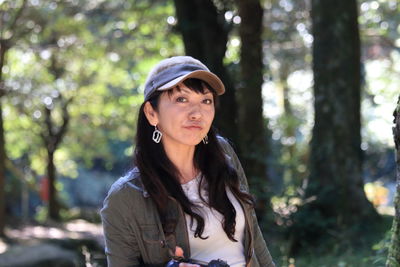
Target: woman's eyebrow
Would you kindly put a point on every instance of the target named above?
(185, 90)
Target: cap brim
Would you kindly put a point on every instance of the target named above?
(203, 75)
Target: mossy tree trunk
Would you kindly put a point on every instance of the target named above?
(336, 202)
(394, 249)
(205, 35)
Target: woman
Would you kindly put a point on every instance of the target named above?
(187, 195)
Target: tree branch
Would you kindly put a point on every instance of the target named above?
(63, 129)
(18, 15)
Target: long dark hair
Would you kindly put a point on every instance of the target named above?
(160, 176)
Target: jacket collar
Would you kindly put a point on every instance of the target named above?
(135, 181)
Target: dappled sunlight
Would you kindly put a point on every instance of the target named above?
(3, 246)
(41, 232)
(73, 83)
(76, 229)
(64, 242)
(381, 196)
(84, 226)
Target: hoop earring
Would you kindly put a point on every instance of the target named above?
(156, 135)
(205, 140)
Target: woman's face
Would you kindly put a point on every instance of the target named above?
(184, 116)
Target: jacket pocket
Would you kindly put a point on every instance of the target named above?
(156, 248)
(150, 233)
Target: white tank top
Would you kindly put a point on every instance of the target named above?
(217, 245)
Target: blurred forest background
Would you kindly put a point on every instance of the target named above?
(311, 90)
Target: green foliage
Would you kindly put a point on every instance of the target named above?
(96, 55)
(41, 214)
(368, 249)
(102, 51)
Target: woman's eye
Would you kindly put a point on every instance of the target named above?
(181, 99)
(207, 101)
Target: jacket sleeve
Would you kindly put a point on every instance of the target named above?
(120, 242)
(260, 248)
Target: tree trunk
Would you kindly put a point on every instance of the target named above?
(335, 181)
(393, 259)
(49, 139)
(252, 134)
(3, 51)
(52, 137)
(54, 211)
(2, 173)
(205, 35)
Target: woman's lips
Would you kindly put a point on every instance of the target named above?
(193, 127)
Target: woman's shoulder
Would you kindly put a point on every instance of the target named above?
(226, 145)
(233, 159)
(130, 183)
(228, 148)
(223, 141)
(127, 204)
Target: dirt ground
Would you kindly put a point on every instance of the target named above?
(76, 243)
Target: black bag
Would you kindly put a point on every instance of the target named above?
(213, 263)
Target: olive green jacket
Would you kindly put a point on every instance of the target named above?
(134, 235)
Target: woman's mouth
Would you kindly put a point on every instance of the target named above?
(193, 127)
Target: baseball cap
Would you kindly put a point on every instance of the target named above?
(171, 71)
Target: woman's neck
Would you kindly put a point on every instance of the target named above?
(182, 158)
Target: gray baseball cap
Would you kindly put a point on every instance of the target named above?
(171, 71)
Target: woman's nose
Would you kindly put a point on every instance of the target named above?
(195, 112)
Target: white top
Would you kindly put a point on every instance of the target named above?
(217, 245)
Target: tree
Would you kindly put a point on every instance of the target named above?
(14, 27)
(205, 35)
(393, 259)
(49, 88)
(253, 139)
(95, 55)
(52, 135)
(335, 199)
(39, 95)
(45, 95)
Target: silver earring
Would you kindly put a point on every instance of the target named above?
(156, 135)
(205, 140)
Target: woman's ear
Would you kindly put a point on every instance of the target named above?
(150, 113)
